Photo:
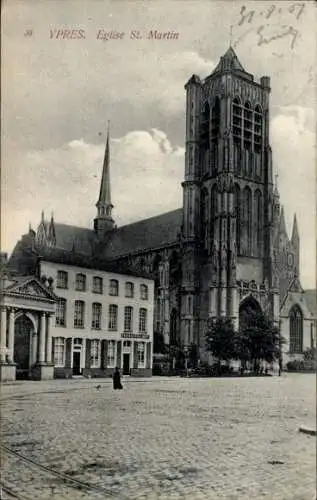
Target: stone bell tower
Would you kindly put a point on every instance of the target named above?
(228, 192)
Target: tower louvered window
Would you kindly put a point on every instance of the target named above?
(215, 132)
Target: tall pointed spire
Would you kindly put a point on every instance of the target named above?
(104, 220)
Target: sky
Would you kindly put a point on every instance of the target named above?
(59, 93)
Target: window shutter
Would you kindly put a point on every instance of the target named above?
(68, 347)
(119, 354)
(135, 355)
(148, 354)
(88, 353)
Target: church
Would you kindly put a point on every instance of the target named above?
(226, 251)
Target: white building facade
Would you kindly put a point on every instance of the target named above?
(102, 320)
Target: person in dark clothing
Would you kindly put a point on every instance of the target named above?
(116, 379)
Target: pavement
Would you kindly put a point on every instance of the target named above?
(161, 438)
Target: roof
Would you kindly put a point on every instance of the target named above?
(65, 257)
(154, 232)
(311, 300)
(76, 238)
(230, 62)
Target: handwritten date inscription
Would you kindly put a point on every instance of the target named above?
(265, 23)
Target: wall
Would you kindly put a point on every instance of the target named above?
(249, 268)
(50, 269)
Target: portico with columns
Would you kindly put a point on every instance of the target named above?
(27, 307)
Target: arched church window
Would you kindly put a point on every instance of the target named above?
(237, 157)
(296, 330)
(258, 215)
(204, 126)
(215, 119)
(214, 157)
(247, 124)
(248, 218)
(204, 217)
(258, 124)
(237, 211)
(213, 210)
(237, 118)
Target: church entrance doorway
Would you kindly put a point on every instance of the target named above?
(23, 329)
(248, 311)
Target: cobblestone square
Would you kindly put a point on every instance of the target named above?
(161, 439)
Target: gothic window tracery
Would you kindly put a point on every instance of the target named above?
(237, 211)
(213, 210)
(258, 215)
(248, 219)
(204, 216)
(215, 132)
(296, 330)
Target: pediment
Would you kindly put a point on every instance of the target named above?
(31, 288)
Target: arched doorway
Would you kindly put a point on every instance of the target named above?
(248, 311)
(296, 330)
(23, 330)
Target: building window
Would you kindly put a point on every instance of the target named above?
(95, 354)
(79, 314)
(296, 331)
(144, 292)
(128, 316)
(111, 352)
(96, 316)
(97, 285)
(60, 316)
(62, 279)
(143, 320)
(113, 317)
(129, 289)
(80, 282)
(59, 351)
(141, 352)
(113, 287)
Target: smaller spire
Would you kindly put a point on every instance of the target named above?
(51, 237)
(276, 191)
(282, 225)
(42, 216)
(295, 233)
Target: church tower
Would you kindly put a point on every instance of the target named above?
(104, 222)
(228, 193)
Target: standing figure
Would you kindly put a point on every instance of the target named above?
(116, 379)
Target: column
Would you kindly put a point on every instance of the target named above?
(48, 338)
(3, 334)
(34, 348)
(235, 307)
(42, 339)
(11, 335)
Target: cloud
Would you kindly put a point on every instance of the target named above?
(145, 177)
